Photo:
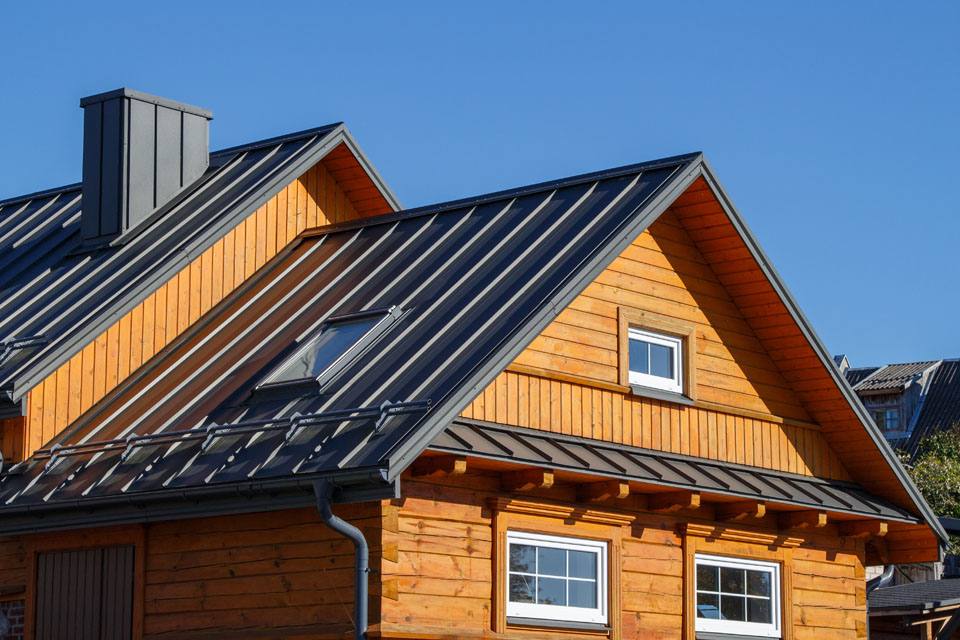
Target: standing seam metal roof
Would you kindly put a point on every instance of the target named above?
(50, 287)
(941, 408)
(466, 276)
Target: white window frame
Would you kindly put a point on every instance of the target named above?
(735, 627)
(556, 612)
(674, 384)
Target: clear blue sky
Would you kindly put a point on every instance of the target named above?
(834, 126)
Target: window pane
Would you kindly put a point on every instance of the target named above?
(758, 583)
(661, 361)
(552, 591)
(332, 342)
(732, 608)
(639, 356)
(583, 594)
(583, 564)
(523, 557)
(731, 580)
(708, 605)
(522, 588)
(758, 610)
(551, 562)
(707, 577)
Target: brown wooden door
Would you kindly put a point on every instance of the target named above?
(85, 594)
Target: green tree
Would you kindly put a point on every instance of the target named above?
(936, 472)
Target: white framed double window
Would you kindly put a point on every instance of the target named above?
(737, 596)
(556, 578)
(656, 360)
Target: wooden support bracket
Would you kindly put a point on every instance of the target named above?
(526, 480)
(606, 490)
(745, 510)
(883, 550)
(863, 528)
(803, 519)
(446, 465)
(674, 501)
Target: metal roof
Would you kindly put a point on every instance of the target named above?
(855, 376)
(892, 377)
(474, 280)
(63, 297)
(650, 466)
(931, 594)
(941, 407)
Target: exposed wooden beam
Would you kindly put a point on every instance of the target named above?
(883, 551)
(674, 501)
(803, 519)
(745, 510)
(605, 490)
(863, 528)
(526, 480)
(446, 465)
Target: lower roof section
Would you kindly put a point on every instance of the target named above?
(586, 455)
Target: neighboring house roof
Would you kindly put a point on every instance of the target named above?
(475, 281)
(941, 408)
(51, 288)
(932, 594)
(854, 376)
(584, 455)
(892, 377)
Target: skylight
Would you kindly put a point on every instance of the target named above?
(338, 341)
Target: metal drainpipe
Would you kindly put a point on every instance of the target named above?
(882, 580)
(324, 490)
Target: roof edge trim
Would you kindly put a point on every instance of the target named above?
(766, 266)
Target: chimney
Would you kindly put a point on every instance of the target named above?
(139, 152)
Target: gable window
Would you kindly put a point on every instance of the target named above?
(556, 578)
(887, 419)
(324, 354)
(655, 360)
(737, 596)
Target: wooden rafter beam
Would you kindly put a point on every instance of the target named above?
(880, 545)
(526, 480)
(744, 510)
(863, 528)
(811, 519)
(674, 501)
(595, 491)
(445, 465)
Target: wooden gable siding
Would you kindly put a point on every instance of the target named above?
(446, 567)
(706, 222)
(314, 199)
(567, 380)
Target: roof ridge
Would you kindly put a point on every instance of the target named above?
(250, 146)
(504, 194)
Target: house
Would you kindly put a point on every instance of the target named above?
(908, 401)
(585, 408)
(921, 610)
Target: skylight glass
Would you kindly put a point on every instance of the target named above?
(331, 344)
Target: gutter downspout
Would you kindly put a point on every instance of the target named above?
(324, 490)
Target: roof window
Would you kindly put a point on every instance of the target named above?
(339, 340)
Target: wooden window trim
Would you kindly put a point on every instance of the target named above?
(551, 523)
(687, 333)
(74, 540)
(731, 545)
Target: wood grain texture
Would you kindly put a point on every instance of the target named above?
(314, 199)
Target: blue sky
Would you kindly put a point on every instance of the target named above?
(834, 126)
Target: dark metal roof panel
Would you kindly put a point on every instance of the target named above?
(688, 472)
(855, 376)
(941, 407)
(49, 286)
(465, 278)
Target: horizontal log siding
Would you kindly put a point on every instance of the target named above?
(580, 410)
(315, 199)
(254, 572)
(444, 570)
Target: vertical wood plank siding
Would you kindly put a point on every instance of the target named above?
(663, 272)
(315, 199)
(444, 570)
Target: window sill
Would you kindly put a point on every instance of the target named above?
(657, 394)
(595, 627)
(704, 635)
